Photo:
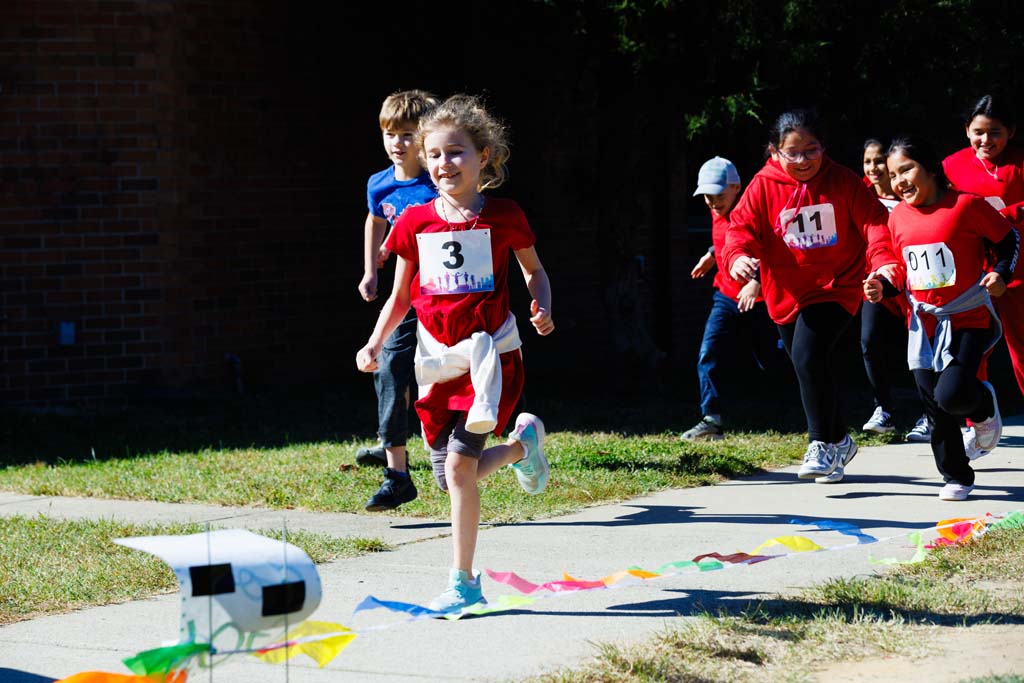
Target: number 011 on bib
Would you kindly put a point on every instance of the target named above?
(455, 262)
(929, 266)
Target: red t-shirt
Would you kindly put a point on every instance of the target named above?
(834, 228)
(723, 283)
(450, 318)
(943, 247)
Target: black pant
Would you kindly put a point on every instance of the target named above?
(951, 395)
(810, 341)
(881, 334)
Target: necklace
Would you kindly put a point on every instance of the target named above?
(444, 211)
(994, 174)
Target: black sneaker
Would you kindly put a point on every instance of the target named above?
(372, 457)
(396, 489)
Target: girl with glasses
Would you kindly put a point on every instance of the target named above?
(807, 221)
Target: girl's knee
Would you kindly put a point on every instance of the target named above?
(460, 471)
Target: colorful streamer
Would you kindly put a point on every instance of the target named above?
(918, 540)
(103, 677)
(798, 544)
(163, 660)
(321, 641)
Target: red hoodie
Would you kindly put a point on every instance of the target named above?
(811, 237)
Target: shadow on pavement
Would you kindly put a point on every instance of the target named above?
(15, 676)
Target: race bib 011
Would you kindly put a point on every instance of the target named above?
(455, 262)
(929, 266)
(812, 227)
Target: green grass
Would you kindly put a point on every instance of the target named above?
(785, 639)
(49, 565)
(586, 469)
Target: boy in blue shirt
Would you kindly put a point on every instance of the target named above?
(404, 183)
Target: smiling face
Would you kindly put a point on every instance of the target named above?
(400, 145)
(454, 163)
(874, 164)
(722, 203)
(911, 181)
(988, 136)
(799, 154)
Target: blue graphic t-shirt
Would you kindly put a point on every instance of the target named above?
(387, 198)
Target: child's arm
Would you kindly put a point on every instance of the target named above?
(394, 310)
(540, 289)
(373, 255)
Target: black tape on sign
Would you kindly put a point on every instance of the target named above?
(212, 579)
(284, 598)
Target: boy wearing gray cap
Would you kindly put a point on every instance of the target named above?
(719, 182)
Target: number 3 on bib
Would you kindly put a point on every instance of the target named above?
(455, 262)
(812, 227)
(929, 266)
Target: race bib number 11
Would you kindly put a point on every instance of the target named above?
(812, 227)
(929, 266)
(455, 262)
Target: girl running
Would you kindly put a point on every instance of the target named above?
(992, 166)
(453, 263)
(943, 236)
(807, 221)
(885, 321)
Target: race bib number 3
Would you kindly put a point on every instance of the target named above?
(812, 227)
(455, 262)
(929, 266)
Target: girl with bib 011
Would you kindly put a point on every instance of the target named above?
(992, 166)
(453, 268)
(807, 222)
(944, 237)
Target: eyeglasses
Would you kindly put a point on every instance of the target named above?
(808, 154)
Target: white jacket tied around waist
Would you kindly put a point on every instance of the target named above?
(477, 355)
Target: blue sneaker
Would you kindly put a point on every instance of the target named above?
(533, 470)
(463, 591)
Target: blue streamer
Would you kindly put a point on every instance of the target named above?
(370, 602)
(842, 527)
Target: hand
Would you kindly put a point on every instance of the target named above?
(873, 288)
(705, 264)
(541, 319)
(993, 282)
(748, 295)
(366, 358)
(368, 286)
(744, 268)
(382, 255)
(891, 272)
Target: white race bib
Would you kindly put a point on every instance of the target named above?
(997, 203)
(929, 266)
(455, 262)
(889, 204)
(812, 227)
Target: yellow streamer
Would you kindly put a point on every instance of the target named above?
(798, 544)
(321, 650)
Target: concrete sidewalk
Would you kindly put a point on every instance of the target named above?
(888, 491)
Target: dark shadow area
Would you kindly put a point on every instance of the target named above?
(15, 676)
(666, 514)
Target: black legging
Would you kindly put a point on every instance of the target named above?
(879, 330)
(953, 394)
(810, 341)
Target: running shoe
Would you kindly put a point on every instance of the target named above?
(819, 460)
(954, 490)
(987, 432)
(533, 470)
(921, 432)
(880, 422)
(706, 429)
(463, 591)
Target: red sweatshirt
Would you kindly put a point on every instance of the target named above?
(811, 237)
(723, 283)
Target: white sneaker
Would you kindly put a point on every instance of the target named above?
(988, 431)
(954, 490)
(921, 431)
(819, 460)
(844, 452)
(834, 478)
(971, 445)
(880, 422)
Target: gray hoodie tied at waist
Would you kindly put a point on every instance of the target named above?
(920, 354)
